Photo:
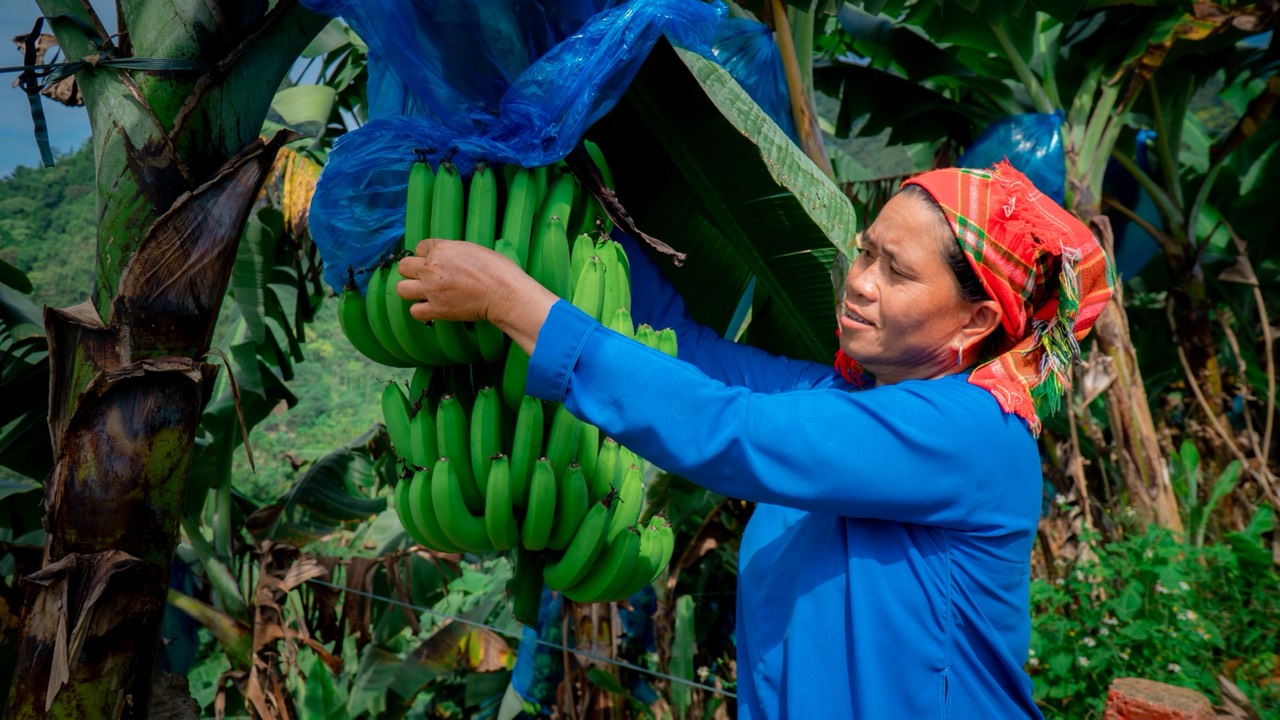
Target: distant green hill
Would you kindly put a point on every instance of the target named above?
(48, 219)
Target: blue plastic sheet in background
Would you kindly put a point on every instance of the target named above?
(1033, 144)
(507, 81)
(746, 49)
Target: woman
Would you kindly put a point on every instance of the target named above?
(885, 571)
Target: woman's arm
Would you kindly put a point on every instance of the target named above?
(937, 452)
(656, 302)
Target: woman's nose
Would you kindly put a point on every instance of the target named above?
(860, 282)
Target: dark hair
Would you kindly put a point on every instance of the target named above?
(970, 286)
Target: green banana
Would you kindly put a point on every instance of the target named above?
(375, 307)
(417, 205)
(354, 320)
(515, 373)
(611, 294)
(667, 342)
(452, 431)
(583, 248)
(646, 336)
(416, 338)
(482, 207)
(401, 500)
(550, 266)
(626, 458)
(447, 203)
(540, 515)
(461, 527)
(447, 213)
(588, 290)
(499, 516)
(560, 200)
(606, 470)
(563, 439)
(420, 387)
(395, 415)
(667, 535)
(588, 449)
(648, 563)
(630, 499)
(583, 550)
(519, 214)
(423, 513)
(526, 447)
(571, 506)
(621, 323)
(606, 578)
(424, 444)
(482, 229)
(486, 435)
(625, 264)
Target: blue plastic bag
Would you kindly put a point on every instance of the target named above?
(506, 81)
(1033, 144)
(747, 50)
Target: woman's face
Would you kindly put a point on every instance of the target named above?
(903, 316)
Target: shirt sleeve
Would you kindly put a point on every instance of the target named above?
(656, 302)
(937, 452)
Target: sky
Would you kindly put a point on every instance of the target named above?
(68, 127)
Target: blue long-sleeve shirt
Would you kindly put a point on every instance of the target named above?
(885, 572)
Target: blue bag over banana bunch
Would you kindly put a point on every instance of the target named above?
(506, 81)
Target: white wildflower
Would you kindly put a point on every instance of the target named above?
(1174, 668)
(1084, 661)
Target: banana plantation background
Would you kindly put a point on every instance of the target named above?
(194, 479)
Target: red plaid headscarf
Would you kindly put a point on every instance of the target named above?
(1044, 268)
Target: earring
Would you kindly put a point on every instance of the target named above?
(960, 354)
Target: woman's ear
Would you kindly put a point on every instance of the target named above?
(985, 317)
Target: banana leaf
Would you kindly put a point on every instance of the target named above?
(700, 166)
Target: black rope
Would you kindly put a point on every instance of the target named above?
(29, 80)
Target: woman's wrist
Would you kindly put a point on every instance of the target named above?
(520, 307)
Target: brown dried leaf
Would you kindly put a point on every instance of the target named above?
(487, 651)
(1241, 271)
(355, 605)
(1235, 706)
(88, 575)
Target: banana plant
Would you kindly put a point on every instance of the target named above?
(178, 164)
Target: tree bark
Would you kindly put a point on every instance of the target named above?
(178, 166)
(1138, 455)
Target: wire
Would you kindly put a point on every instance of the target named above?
(540, 641)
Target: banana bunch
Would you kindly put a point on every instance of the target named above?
(486, 467)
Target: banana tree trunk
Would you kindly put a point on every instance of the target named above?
(179, 165)
(1138, 455)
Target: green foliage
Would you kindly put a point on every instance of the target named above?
(1153, 606)
(48, 222)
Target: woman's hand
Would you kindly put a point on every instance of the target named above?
(453, 280)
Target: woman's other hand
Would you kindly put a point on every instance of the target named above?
(453, 280)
